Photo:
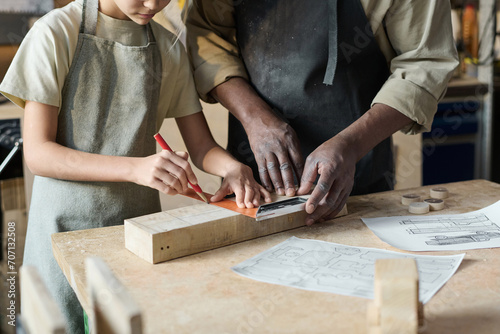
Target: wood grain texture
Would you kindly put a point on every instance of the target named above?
(189, 230)
(396, 305)
(113, 311)
(200, 293)
(40, 313)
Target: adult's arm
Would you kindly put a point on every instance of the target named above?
(416, 38)
(420, 36)
(335, 160)
(220, 76)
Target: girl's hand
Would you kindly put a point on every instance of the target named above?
(165, 171)
(240, 181)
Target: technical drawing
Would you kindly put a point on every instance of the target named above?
(315, 258)
(376, 255)
(426, 277)
(480, 236)
(347, 250)
(321, 266)
(433, 264)
(466, 223)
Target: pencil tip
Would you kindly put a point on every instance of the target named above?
(203, 197)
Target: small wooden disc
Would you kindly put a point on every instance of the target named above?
(418, 207)
(406, 199)
(439, 192)
(435, 204)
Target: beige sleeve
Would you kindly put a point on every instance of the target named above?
(211, 44)
(420, 34)
(39, 68)
(184, 100)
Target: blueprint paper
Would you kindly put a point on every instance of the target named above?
(473, 230)
(345, 270)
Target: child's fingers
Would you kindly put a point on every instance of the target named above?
(240, 197)
(261, 194)
(180, 159)
(182, 154)
(249, 197)
(173, 182)
(266, 195)
(164, 188)
(173, 176)
(220, 194)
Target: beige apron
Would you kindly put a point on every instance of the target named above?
(110, 100)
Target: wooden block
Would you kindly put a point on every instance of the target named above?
(395, 309)
(113, 309)
(40, 312)
(184, 231)
(435, 204)
(419, 208)
(439, 193)
(406, 199)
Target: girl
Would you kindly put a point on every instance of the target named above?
(96, 78)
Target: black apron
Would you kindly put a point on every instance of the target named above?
(290, 48)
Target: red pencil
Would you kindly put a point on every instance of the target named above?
(165, 146)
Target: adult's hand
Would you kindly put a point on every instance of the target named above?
(273, 142)
(335, 164)
(277, 152)
(335, 160)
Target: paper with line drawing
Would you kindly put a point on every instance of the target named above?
(473, 230)
(346, 270)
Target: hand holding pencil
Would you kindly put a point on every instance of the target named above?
(165, 146)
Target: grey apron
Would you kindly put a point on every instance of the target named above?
(109, 104)
(291, 48)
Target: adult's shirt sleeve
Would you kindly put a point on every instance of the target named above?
(420, 33)
(211, 45)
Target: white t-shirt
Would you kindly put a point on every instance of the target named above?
(41, 64)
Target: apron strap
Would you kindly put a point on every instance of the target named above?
(89, 17)
(151, 36)
(331, 66)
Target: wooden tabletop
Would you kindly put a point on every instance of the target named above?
(200, 293)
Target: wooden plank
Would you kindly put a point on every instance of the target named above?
(113, 309)
(40, 313)
(184, 231)
(395, 309)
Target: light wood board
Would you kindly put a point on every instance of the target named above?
(40, 313)
(113, 311)
(189, 230)
(396, 305)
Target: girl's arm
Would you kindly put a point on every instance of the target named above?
(213, 159)
(165, 171)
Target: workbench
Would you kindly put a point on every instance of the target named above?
(200, 293)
